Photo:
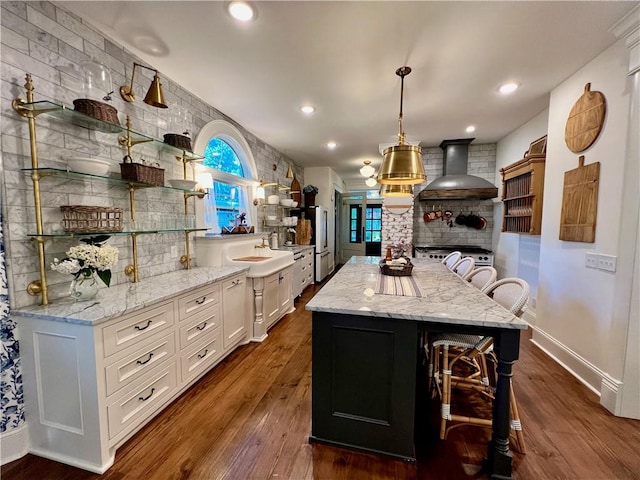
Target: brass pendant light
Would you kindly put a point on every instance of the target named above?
(396, 190)
(402, 163)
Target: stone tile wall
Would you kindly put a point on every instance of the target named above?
(49, 42)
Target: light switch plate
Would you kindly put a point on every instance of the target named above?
(607, 262)
(591, 260)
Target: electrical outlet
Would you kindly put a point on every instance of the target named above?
(174, 251)
(607, 262)
(591, 260)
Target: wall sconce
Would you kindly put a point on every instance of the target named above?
(259, 194)
(155, 95)
(205, 183)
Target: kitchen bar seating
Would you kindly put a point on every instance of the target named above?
(451, 259)
(464, 266)
(482, 277)
(472, 350)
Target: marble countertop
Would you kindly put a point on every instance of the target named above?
(126, 298)
(448, 299)
(295, 248)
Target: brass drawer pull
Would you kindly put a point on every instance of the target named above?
(204, 354)
(200, 301)
(202, 326)
(141, 362)
(138, 327)
(144, 399)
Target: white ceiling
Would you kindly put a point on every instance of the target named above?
(342, 57)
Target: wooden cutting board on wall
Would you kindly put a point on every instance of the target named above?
(580, 203)
(296, 191)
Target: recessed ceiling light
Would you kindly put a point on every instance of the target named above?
(331, 145)
(508, 88)
(470, 129)
(241, 11)
(307, 109)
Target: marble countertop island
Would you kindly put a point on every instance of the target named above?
(447, 298)
(126, 298)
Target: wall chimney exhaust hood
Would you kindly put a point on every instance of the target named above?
(455, 183)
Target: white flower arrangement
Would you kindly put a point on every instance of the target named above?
(93, 255)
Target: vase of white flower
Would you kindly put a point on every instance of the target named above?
(84, 287)
(93, 257)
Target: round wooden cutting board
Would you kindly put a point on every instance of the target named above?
(585, 120)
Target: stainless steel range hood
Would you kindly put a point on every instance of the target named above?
(455, 183)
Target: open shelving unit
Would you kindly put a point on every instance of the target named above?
(127, 138)
(522, 189)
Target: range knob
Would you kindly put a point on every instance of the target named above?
(431, 255)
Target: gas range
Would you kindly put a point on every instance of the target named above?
(482, 256)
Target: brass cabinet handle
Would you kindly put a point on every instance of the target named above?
(141, 362)
(204, 354)
(201, 327)
(138, 327)
(144, 399)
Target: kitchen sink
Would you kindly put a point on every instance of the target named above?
(261, 261)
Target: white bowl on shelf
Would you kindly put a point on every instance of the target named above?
(286, 202)
(93, 166)
(294, 204)
(272, 218)
(273, 199)
(182, 183)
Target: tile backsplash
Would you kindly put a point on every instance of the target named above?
(482, 163)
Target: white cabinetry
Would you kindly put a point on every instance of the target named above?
(273, 299)
(302, 270)
(88, 388)
(235, 294)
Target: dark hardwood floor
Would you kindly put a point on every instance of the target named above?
(249, 419)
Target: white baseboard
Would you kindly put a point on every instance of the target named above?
(599, 382)
(587, 373)
(14, 444)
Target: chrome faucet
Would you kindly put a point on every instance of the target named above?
(264, 244)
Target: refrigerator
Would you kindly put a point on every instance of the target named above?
(320, 239)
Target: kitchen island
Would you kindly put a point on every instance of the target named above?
(366, 353)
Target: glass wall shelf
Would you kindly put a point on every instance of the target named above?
(68, 115)
(128, 232)
(60, 172)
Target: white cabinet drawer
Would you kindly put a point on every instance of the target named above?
(193, 303)
(199, 358)
(136, 328)
(134, 407)
(200, 327)
(135, 365)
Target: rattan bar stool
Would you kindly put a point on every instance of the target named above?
(482, 277)
(473, 350)
(451, 259)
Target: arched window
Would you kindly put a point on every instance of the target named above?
(231, 164)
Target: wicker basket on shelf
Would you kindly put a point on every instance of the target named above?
(179, 141)
(100, 110)
(91, 219)
(396, 270)
(137, 172)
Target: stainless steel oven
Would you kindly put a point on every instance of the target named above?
(482, 256)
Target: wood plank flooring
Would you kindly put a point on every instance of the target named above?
(250, 418)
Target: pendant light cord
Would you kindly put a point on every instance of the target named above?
(401, 72)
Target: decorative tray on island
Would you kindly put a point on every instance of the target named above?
(396, 270)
